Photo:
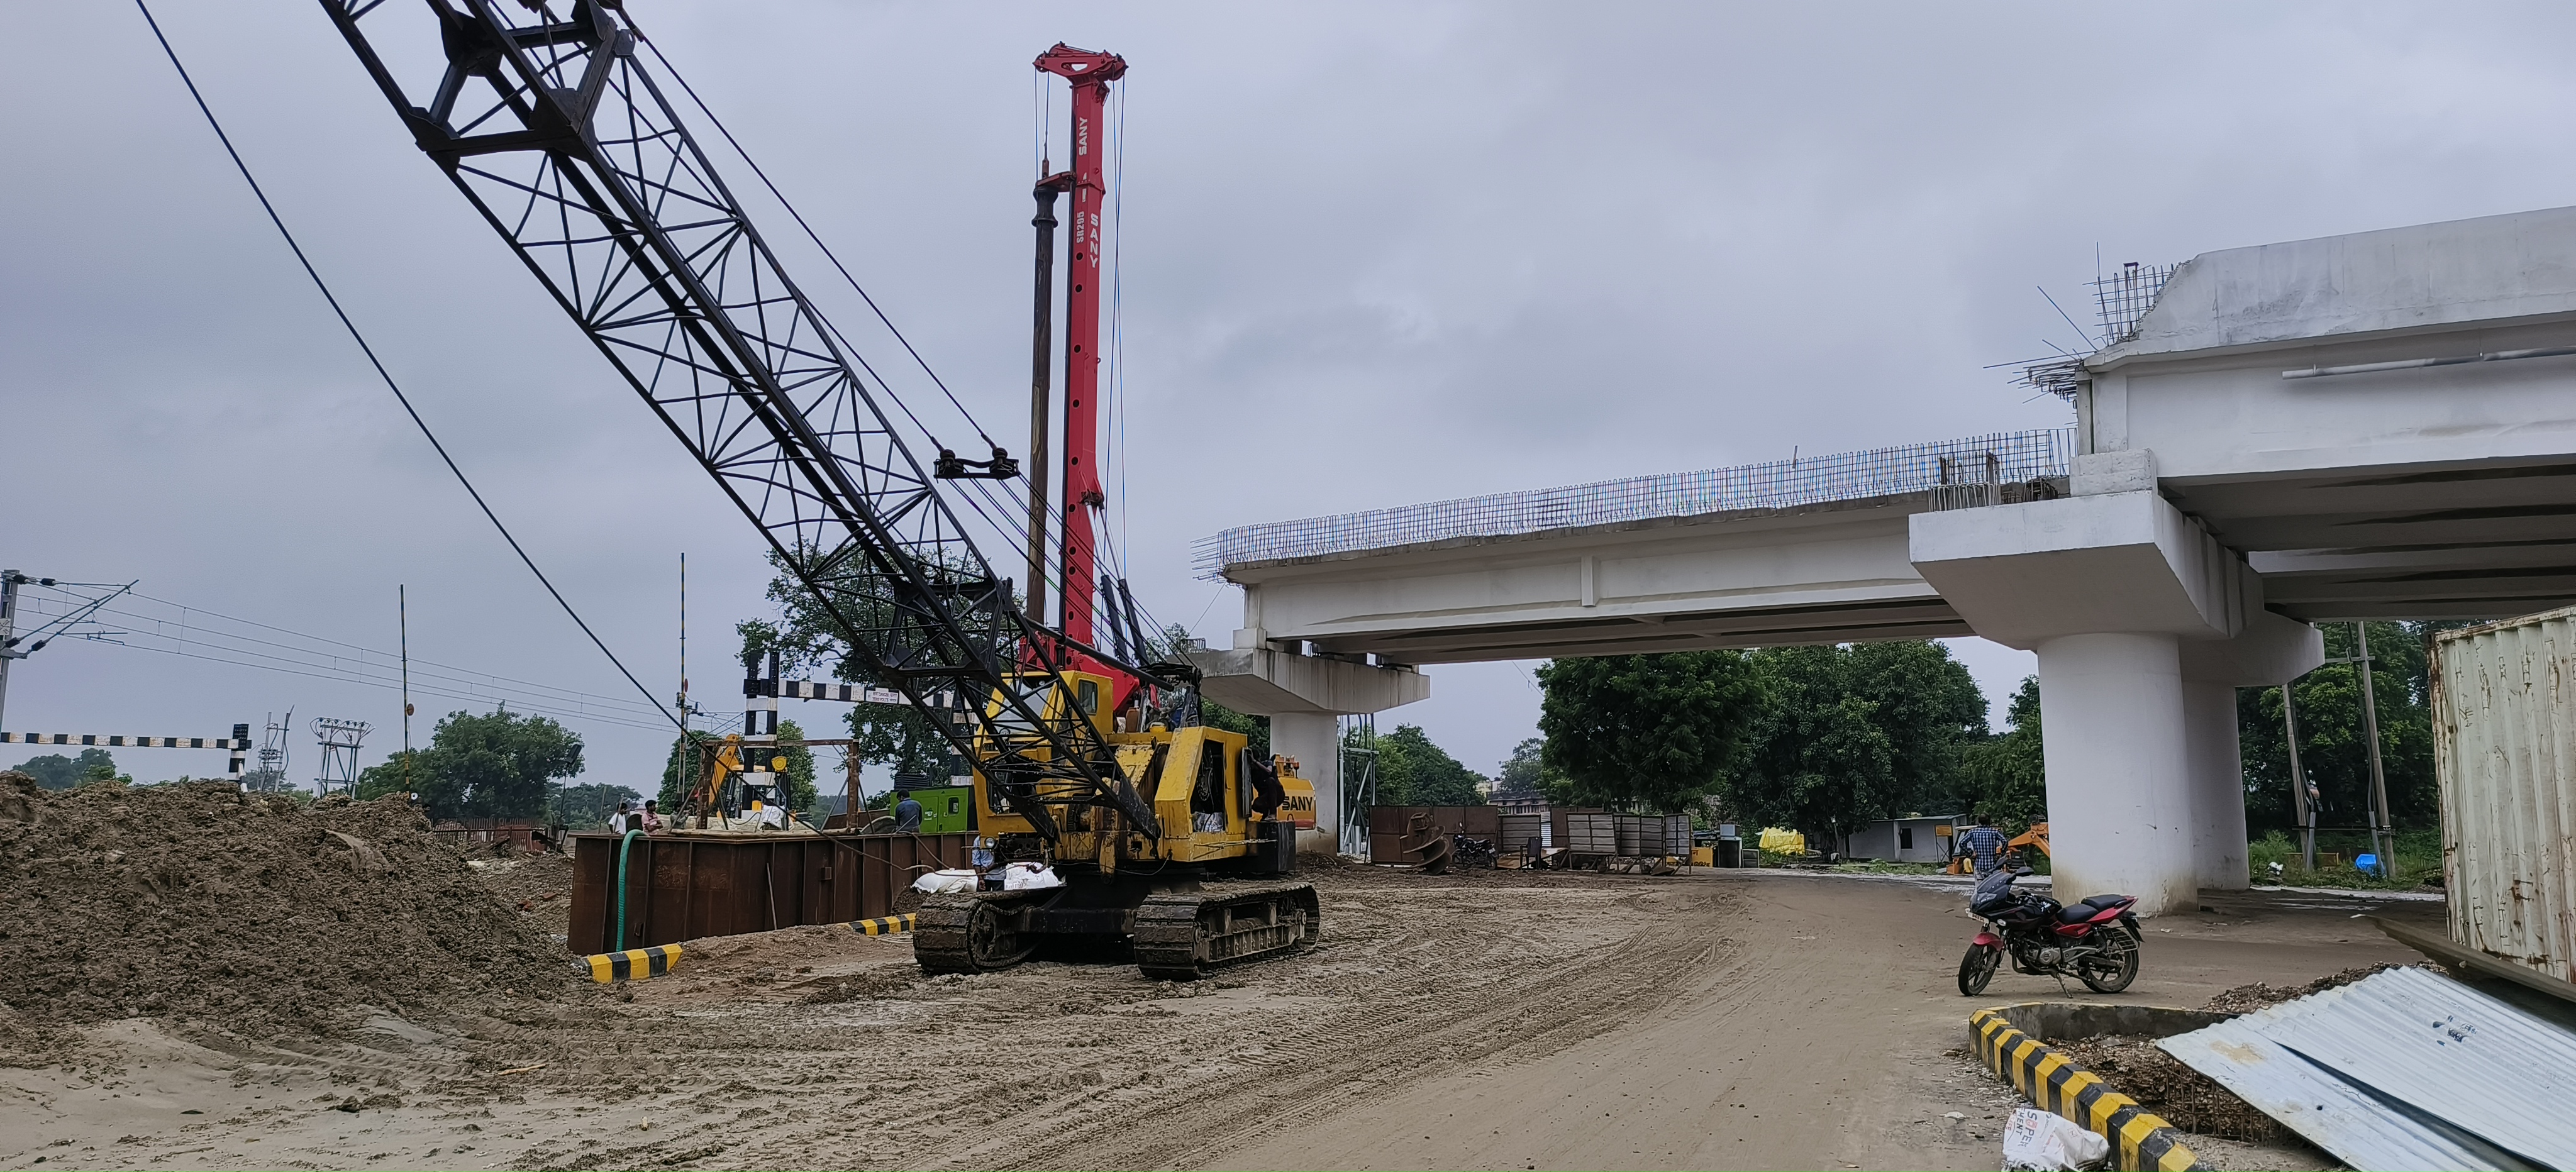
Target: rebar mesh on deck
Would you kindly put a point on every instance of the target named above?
(2003, 458)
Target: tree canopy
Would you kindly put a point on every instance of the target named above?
(1649, 732)
(2007, 776)
(1412, 771)
(497, 764)
(55, 771)
(2334, 752)
(1854, 732)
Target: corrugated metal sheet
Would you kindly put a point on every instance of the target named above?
(2504, 736)
(2403, 1069)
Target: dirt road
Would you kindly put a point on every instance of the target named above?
(1495, 1020)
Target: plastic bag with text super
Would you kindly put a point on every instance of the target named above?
(2036, 1139)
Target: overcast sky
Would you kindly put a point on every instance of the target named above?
(1374, 254)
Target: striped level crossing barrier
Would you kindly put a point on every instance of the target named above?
(883, 925)
(2141, 1140)
(238, 743)
(634, 964)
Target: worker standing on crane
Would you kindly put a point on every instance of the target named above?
(1983, 845)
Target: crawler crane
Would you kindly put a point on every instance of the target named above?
(1172, 840)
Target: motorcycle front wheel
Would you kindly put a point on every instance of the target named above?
(2111, 969)
(1977, 968)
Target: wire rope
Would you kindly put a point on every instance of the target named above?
(812, 235)
(360, 338)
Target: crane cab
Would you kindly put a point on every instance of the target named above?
(1213, 802)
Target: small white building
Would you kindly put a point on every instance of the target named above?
(1920, 839)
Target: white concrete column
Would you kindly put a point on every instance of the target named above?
(2119, 799)
(2217, 782)
(1315, 740)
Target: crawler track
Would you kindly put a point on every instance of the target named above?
(1184, 936)
(968, 932)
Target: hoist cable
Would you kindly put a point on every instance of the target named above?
(361, 339)
(817, 238)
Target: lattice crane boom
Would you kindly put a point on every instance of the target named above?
(558, 134)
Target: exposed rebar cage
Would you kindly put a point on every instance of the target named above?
(2123, 298)
(1358, 772)
(2008, 458)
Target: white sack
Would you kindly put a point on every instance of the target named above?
(1029, 877)
(2035, 1139)
(943, 882)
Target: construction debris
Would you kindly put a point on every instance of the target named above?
(199, 904)
(2402, 1069)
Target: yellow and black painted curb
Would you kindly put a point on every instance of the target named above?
(2140, 1139)
(883, 925)
(632, 964)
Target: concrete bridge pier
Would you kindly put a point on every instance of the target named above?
(2144, 625)
(1305, 697)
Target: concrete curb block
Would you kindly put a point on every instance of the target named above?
(883, 925)
(2140, 1139)
(632, 964)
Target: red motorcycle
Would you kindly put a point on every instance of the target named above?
(2095, 941)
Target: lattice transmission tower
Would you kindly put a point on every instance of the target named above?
(339, 740)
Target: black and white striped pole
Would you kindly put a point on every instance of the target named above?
(238, 743)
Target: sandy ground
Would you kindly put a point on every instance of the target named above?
(1491, 1020)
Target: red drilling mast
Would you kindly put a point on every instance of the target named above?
(1090, 73)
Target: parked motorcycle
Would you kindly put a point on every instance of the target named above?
(2095, 941)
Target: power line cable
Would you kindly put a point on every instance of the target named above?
(361, 339)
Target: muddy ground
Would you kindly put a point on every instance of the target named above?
(1490, 1020)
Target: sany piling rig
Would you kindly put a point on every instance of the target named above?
(558, 133)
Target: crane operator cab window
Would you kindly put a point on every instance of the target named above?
(1086, 696)
(1207, 796)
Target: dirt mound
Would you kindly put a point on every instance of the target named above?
(199, 904)
(2248, 998)
(2186, 1097)
(2160, 1082)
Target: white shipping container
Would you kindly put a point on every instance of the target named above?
(2504, 748)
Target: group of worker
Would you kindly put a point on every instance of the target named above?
(648, 818)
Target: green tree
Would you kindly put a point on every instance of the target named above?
(1412, 771)
(1650, 732)
(800, 767)
(2007, 776)
(1850, 733)
(396, 774)
(1215, 715)
(586, 807)
(1930, 709)
(494, 765)
(806, 639)
(2333, 749)
(55, 771)
(685, 765)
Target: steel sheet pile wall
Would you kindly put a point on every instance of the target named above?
(683, 887)
(2504, 744)
(1392, 827)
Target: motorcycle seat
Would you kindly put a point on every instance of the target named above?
(2091, 907)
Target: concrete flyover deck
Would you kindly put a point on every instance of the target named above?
(2378, 425)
